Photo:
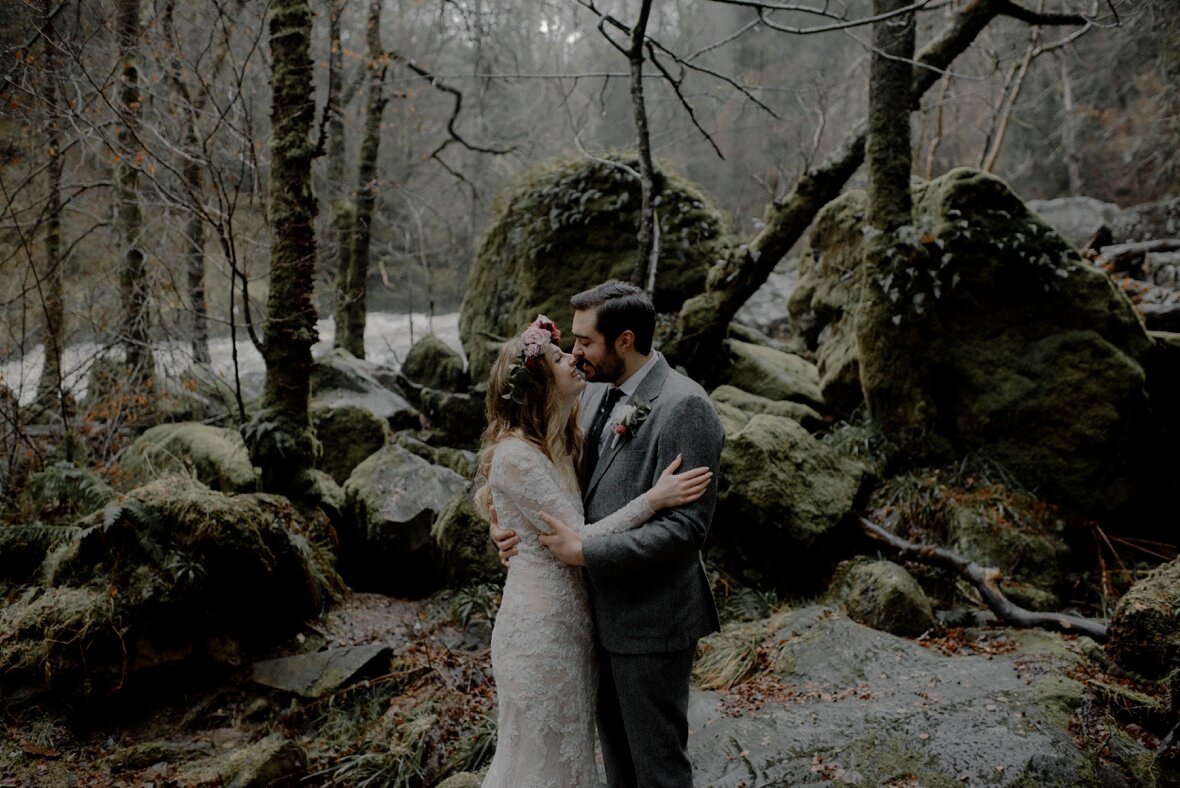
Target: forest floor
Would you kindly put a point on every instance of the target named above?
(168, 731)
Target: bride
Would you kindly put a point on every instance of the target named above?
(543, 654)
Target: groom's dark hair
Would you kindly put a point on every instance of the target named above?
(621, 306)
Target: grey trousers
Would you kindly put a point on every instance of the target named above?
(643, 718)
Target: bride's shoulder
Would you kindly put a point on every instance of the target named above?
(514, 450)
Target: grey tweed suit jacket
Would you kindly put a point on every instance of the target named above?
(648, 588)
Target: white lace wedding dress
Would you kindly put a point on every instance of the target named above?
(543, 642)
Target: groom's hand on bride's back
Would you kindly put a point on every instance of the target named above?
(504, 540)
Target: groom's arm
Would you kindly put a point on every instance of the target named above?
(693, 430)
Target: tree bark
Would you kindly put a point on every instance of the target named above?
(128, 221)
(704, 319)
(336, 252)
(1069, 129)
(892, 322)
(353, 278)
(49, 387)
(280, 437)
(647, 252)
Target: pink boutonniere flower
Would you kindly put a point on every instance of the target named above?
(630, 418)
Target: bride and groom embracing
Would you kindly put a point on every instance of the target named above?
(606, 594)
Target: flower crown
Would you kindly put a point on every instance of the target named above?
(540, 333)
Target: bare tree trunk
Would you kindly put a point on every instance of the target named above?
(1069, 129)
(128, 222)
(49, 387)
(889, 329)
(280, 438)
(705, 318)
(353, 278)
(647, 252)
(194, 237)
(336, 252)
(1012, 87)
(936, 136)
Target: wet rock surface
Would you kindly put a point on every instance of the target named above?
(853, 706)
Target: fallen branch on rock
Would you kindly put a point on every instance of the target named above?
(1120, 257)
(987, 580)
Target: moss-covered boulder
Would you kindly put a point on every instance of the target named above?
(461, 536)
(822, 305)
(754, 404)
(23, 547)
(782, 501)
(772, 373)
(173, 570)
(461, 461)
(452, 419)
(348, 434)
(340, 379)
(393, 499)
(273, 760)
(215, 455)
(435, 364)
(1033, 358)
(884, 596)
(1145, 627)
(732, 417)
(567, 226)
(1032, 557)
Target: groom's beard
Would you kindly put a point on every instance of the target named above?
(609, 370)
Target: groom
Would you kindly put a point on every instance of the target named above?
(648, 590)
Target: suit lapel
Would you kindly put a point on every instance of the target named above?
(649, 390)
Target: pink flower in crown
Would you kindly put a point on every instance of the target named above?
(534, 340)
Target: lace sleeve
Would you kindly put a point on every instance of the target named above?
(523, 477)
(632, 515)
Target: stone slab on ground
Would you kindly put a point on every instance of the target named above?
(316, 674)
(861, 707)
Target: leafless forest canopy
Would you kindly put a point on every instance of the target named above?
(152, 118)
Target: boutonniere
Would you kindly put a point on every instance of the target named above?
(631, 416)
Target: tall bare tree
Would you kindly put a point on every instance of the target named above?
(280, 438)
(354, 274)
(893, 378)
(704, 319)
(136, 336)
(49, 386)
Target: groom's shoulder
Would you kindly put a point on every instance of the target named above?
(680, 386)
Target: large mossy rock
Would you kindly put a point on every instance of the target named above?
(341, 379)
(461, 536)
(884, 596)
(1032, 558)
(772, 373)
(433, 363)
(1035, 357)
(174, 570)
(1145, 628)
(823, 304)
(454, 419)
(348, 435)
(393, 499)
(567, 227)
(754, 404)
(217, 456)
(783, 499)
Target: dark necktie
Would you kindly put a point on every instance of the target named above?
(594, 436)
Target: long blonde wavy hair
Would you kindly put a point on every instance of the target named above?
(536, 419)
